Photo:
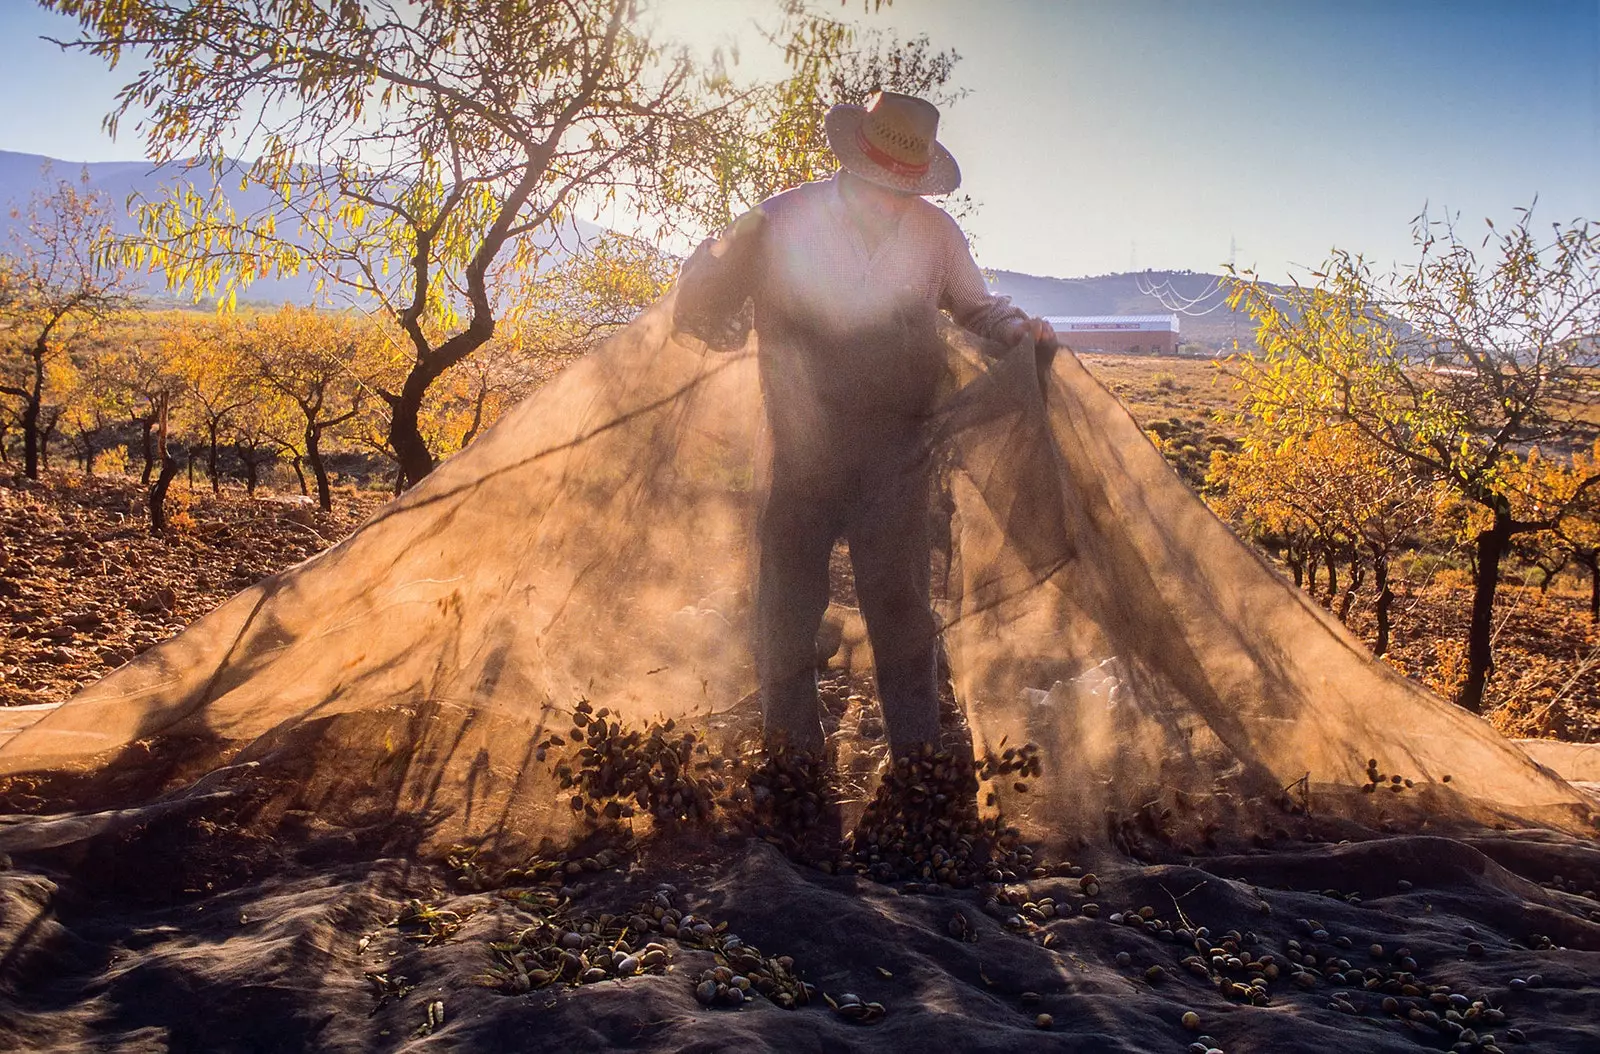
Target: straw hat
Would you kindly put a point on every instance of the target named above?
(891, 142)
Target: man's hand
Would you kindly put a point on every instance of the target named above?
(1043, 334)
(1045, 346)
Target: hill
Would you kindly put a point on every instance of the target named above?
(1134, 293)
(1205, 318)
(127, 182)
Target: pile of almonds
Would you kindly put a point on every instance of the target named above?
(666, 773)
(923, 824)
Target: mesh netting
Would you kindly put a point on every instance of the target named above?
(598, 544)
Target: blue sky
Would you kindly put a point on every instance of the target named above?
(1102, 134)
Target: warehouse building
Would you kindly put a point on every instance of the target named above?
(1121, 334)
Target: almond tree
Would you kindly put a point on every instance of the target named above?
(216, 386)
(1457, 365)
(314, 360)
(405, 152)
(1260, 488)
(776, 139)
(136, 372)
(151, 369)
(1579, 530)
(253, 435)
(1334, 492)
(94, 410)
(58, 289)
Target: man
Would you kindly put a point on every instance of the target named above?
(847, 277)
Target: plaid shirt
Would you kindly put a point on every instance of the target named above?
(811, 277)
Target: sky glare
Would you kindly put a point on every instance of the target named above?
(1109, 135)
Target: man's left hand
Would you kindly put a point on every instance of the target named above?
(1043, 334)
(1045, 346)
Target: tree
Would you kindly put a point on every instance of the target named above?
(93, 410)
(57, 290)
(136, 373)
(486, 386)
(1579, 530)
(149, 367)
(776, 139)
(216, 386)
(157, 498)
(1259, 488)
(253, 435)
(1325, 494)
(1455, 365)
(315, 361)
(407, 152)
(10, 294)
(594, 293)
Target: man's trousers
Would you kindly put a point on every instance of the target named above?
(873, 491)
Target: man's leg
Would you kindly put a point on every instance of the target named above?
(889, 542)
(798, 527)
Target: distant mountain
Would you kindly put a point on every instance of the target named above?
(1138, 293)
(1199, 300)
(122, 181)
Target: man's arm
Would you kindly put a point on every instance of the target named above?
(967, 298)
(716, 281)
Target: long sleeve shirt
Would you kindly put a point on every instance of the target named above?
(841, 327)
(813, 263)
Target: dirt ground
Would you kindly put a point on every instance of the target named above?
(84, 587)
(1156, 386)
(194, 932)
(1547, 650)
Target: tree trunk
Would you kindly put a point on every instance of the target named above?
(169, 469)
(1333, 580)
(249, 475)
(30, 439)
(294, 463)
(477, 417)
(211, 459)
(1591, 560)
(405, 436)
(188, 463)
(1349, 596)
(30, 414)
(1311, 572)
(47, 432)
(1297, 567)
(148, 448)
(318, 469)
(1551, 572)
(158, 494)
(1380, 575)
(1489, 547)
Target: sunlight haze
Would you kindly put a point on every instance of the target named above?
(1101, 137)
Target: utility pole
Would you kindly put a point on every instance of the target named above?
(1233, 315)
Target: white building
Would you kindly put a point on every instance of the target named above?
(1129, 334)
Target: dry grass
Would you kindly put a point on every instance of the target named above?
(1158, 387)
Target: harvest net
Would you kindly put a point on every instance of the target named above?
(598, 544)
